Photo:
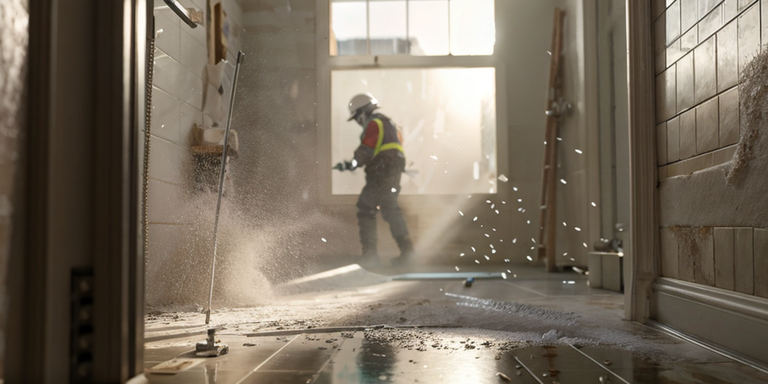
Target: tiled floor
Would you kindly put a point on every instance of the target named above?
(535, 328)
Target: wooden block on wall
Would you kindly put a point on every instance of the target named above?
(724, 272)
(743, 264)
(761, 262)
(669, 254)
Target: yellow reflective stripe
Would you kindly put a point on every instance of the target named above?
(387, 146)
(391, 146)
(381, 136)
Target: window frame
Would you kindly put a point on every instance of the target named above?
(407, 30)
(327, 63)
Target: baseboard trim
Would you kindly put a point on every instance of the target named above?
(737, 302)
(725, 352)
(730, 323)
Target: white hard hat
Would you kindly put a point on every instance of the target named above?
(363, 102)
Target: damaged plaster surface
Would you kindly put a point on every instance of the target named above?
(706, 199)
(730, 194)
(753, 114)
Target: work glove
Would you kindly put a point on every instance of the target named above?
(345, 165)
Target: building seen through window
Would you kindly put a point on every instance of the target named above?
(412, 27)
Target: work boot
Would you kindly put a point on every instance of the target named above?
(369, 258)
(402, 260)
(406, 251)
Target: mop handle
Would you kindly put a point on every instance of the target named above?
(240, 55)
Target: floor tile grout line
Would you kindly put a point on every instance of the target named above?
(330, 358)
(268, 359)
(600, 365)
(526, 289)
(528, 370)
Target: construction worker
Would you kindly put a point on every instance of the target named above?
(381, 153)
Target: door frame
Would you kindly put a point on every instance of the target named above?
(643, 266)
(79, 202)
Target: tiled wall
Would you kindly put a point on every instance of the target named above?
(180, 60)
(701, 48)
(732, 258)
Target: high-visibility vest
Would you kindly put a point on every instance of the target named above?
(389, 137)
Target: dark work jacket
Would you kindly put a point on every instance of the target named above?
(380, 147)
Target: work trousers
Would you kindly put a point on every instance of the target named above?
(382, 187)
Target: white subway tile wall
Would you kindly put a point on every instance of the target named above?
(165, 115)
(729, 117)
(705, 70)
(707, 121)
(727, 58)
(181, 56)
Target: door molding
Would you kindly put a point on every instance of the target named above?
(642, 268)
(80, 196)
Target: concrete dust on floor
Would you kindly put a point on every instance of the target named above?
(480, 331)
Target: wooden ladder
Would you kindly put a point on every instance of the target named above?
(548, 214)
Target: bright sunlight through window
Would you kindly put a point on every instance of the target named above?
(448, 122)
(412, 27)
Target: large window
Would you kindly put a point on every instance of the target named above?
(412, 27)
(431, 65)
(448, 122)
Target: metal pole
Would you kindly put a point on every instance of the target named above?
(240, 55)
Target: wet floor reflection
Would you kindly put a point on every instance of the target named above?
(422, 356)
(365, 360)
(211, 373)
(568, 364)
